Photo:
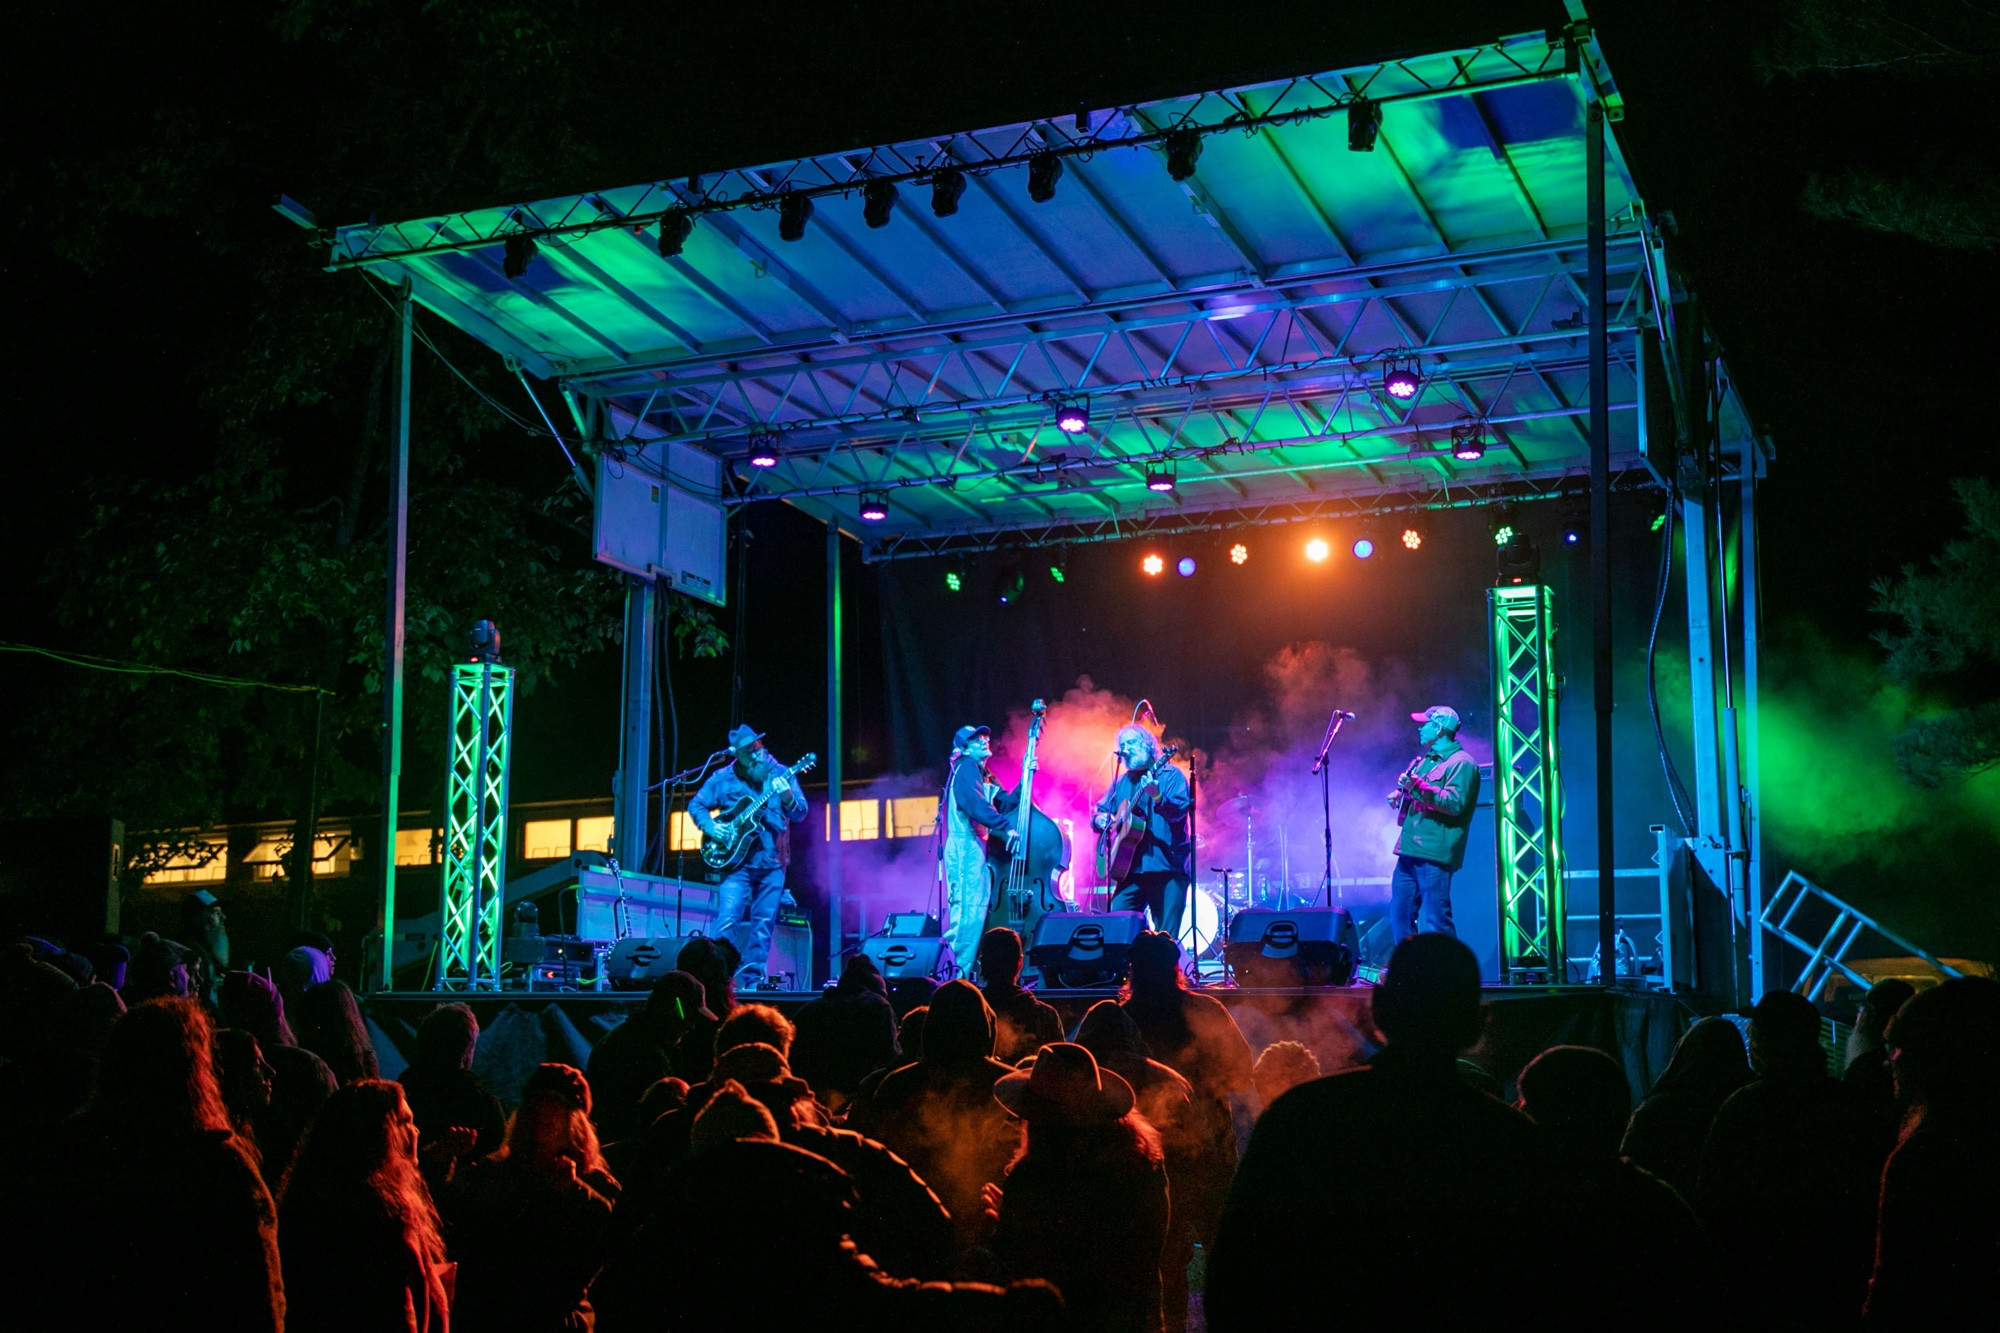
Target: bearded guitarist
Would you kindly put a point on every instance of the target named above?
(749, 895)
(1159, 799)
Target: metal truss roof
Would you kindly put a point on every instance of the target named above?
(1231, 328)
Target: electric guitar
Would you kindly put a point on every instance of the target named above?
(736, 831)
(1118, 844)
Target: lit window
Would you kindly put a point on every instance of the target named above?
(189, 868)
(594, 834)
(414, 846)
(913, 816)
(682, 833)
(545, 839)
(267, 859)
(859, 820)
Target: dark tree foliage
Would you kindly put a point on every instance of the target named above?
(149, 191)
(1948, 643)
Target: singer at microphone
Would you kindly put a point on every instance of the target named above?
(1434, 798)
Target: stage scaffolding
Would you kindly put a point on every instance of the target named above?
(475, 831)
(1218, 283)
(1527, 796)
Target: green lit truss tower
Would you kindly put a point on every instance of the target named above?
(1527, 798)
(475, 833)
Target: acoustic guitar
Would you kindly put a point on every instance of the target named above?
(1119, 842)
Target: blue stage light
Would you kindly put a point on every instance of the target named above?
(1186, 567)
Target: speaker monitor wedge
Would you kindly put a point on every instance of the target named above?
(1084, 948)
(901, 956)
(1307, 946)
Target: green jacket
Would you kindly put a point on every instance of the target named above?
(1440, 808)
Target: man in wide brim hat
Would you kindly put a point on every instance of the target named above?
(1065, 1085)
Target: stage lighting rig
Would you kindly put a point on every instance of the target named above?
(1416, 529)
(954, 581)
(874, 507)
(1401, 381)
(1153, 564)
(1160, 478)
(1239, 554)
(1073, 416)
(1575, 513)
(1044, 170)
(517, 254)
(794, 211)
(1502, 524)
(676, 225)
(1518, 560)
(1185, 567)
(1364, 122)
(1468, 442)
(1317, 550)
(947, 188)
(878, 201)
(763, 450)
(1366, 542)
(1183, 151)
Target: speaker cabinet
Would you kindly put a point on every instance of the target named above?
(903, 956)
(1078, 949)
(1308, 946)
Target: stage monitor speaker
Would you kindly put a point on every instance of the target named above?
(901, 956)
(1077, 949)
(637, 961)
(1307, 946)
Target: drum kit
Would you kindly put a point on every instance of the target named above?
(1212, 902)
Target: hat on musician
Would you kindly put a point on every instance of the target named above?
(1447, 717)
(742, 738)
(963, 736)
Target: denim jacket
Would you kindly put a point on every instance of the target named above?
(1441, 807)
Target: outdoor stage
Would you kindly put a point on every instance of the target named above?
(519, 1030)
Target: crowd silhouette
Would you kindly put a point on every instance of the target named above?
(192, 1145)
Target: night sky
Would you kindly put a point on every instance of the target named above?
(1865, 356)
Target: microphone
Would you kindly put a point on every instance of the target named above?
(1343, 713)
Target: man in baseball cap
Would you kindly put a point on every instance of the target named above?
(1434, 802)
(973, 807)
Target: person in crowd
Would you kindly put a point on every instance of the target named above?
(32, 992)
(80, 1025)
(641, 1051)
(1280, 1067)
(329, 1025)
(548, 1182)
(300, 969)
(910, 1038)
(938, 1113)
(152, 1154)
(159, 969)
(1085, 1205)
(243, 1076)
(749, 1023)
(1399, 1161)
(1670, 1124)
(363, 1247)
(1190, 1032)
(1199, 1148)
(441, 1088)
(300, 1080)
(1937, 1244)
(1023, 1024)
(204, 934)
(1867, 1069)
(1633, 1227)
(313, 939)
(712, 962)
(846, 1034)
(1788, 1179)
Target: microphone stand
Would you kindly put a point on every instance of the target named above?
(1333, 725)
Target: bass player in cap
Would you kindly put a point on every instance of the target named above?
(747, 899)
(973, 807)
(1434, 800)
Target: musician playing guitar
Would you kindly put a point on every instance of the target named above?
(974, 807)
(749, 895)
(1434, 800)
(1160, 799)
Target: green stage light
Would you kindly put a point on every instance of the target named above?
(1503, 534)
(1056, 573)
(1659, 521)
(952, 582)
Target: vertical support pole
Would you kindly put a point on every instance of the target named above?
(1752, 795)
(1695, 529)
(1600, 546)
(835, 908)
(392, 630)
(1665, 847)
(635, 740)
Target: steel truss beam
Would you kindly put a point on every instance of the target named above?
(475, 835)
(1184, 521)
(1527, 797)
(1510, 62)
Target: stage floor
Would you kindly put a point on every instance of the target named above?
(521, 1029)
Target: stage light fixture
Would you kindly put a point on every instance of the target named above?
(1056, 573)
(1185, 567)
(1044, 170)
(1364, 122)
(676, 225)
(1161, 479)
(1659, 521)
(1518, 561)
(794, 211)
(517, 254)
(1317, 550)
(1183, 151)
(878, 201)
(874, 507)
(954, 581)
(1413, 540)
(1153, 564)
(947, 188)
(1501, 524)
(763, 450)
(1239, 554)
(1073, 418)
(1364, 547)
(1468, 444)
(1012, 584)
(1401, 383)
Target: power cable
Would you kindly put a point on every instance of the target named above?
(141, 669)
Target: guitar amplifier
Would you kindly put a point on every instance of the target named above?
(1307, 946)
(1076, 949)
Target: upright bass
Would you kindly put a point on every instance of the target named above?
(1025, 880)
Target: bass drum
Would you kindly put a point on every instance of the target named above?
(1201, 924)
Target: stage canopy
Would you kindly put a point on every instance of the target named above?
(1221, 283)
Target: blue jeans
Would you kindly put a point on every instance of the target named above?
(1161, 892)
(746, 911)
(1420, 899)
